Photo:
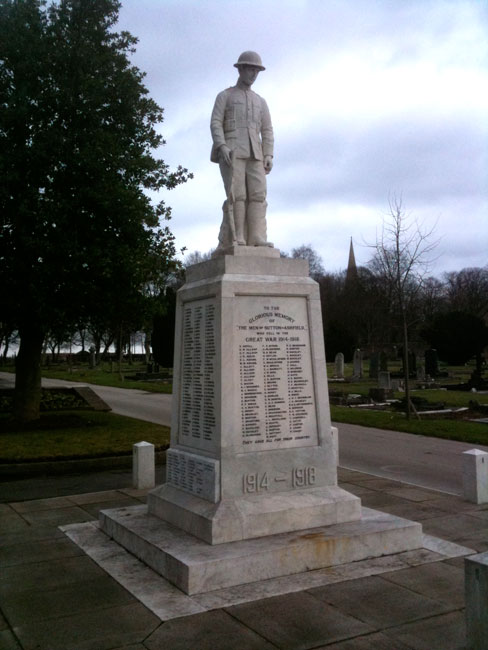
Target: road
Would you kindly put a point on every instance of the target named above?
(418, 460)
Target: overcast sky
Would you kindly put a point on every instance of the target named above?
(369, 98)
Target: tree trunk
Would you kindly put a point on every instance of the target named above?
(406, 369)
(27, 394)
(6, 346)
(147, 346)
(120, 354)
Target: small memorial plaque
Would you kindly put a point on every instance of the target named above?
(196, 474)
(277, 401)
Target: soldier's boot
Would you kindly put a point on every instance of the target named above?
(239, 219)
(256, 224)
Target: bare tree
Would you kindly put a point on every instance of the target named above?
(467, 290)
(403, 256)
(307, 252)
(195, 257)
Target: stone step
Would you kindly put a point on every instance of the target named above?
(197, 567)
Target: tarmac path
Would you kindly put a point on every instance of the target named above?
(419, 460)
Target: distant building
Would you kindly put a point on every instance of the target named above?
(352, 269)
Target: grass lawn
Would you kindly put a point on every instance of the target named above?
(105, 374)
(465, 431)
(78, 434)
(472, 432)
(75, 435)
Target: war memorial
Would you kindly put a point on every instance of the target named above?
(251, 487)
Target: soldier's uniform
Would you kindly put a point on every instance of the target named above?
(241, 120)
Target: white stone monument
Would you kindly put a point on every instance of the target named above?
(251, 488)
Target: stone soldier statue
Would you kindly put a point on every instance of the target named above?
(242, 136)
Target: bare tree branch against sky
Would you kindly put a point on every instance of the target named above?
(369, 98)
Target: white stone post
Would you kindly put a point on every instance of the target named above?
(475, 476)
(476, 592)
(335, 446)
(143, 470)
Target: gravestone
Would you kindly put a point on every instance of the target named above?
(339, 365)
(374, 365)
(357, 364)
(384, 379)
(420, 371)
(431, 363)
(412, 363)
(383, 361)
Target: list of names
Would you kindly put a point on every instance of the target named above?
(275, 374)
(197, 404)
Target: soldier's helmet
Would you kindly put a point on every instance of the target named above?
(250, 58)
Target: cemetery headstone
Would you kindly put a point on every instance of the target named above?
(412, 363)
(339, 365)
(431, 362)
(374, 365)
(384, 379)
(357, 364)
(420, 371)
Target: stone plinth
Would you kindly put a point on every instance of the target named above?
(196, 567)
(252, 451)
(251, 489)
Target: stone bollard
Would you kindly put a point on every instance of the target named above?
(476, 592)
(335, 443)
(143, 470)
(475, 476)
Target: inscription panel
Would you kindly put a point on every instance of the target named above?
(296, 478)
(197, 404)
(276, 388)
(195, 474)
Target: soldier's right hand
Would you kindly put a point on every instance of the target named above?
(225, 154)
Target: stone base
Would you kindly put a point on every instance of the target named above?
(247, 251)
(196, 567)
(259, 516)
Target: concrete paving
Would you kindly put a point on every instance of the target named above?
(53, 596)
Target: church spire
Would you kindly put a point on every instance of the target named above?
(352, 270)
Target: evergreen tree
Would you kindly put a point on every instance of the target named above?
(77, 136)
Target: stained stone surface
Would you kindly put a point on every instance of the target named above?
(195, 566)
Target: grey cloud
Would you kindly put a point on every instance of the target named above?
(427, 159)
